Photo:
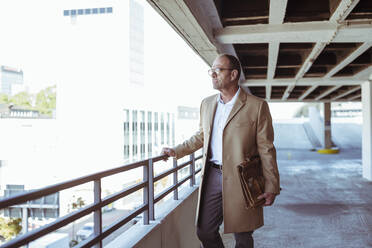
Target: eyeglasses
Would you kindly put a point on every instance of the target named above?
(217, 70)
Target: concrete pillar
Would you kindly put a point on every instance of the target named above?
(327, 126)
(367, 130)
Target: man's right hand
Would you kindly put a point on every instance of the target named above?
(169, 152)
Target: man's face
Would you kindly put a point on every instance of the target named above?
(223, 79)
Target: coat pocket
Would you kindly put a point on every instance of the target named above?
(247, 123)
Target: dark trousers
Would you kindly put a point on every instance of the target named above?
(211, 215)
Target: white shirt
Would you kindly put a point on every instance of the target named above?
(222, 113)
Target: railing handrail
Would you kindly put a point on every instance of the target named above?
(147, 207)
(37, 193)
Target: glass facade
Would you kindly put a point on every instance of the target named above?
(75, 12)
(134, 133)
(142, 135)
(168, 128)
(149, 133)
(8, 77)
(136, 43)
(126, 134)
(162, 128)
(146, 132)
(156, 129)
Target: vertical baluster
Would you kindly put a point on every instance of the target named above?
(175, 179)
(97, 216)
(192, 169)
(146, 193)
(151, 190)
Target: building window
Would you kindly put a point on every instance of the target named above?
(168, 129)
(149, 133)
(66, 12)
(134, 133)
(156, 129)
(142, 134)
(109, 10)
(102, 10)
(173, 131)
(95, 11)
(126, 134)
(162, 128)
(87, 11)
(80, 11)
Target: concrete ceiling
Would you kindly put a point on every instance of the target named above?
(290, 50)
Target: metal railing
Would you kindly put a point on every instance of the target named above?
(149, 200)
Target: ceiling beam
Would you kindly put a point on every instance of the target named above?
(317, 50)
(287, 92)
(343, 10)
(296, 32)
(354, 97)
(346, 93)
(268, 92)
(327, 92)
(307, 92)
(277, 11)
(356, 53)
(340, 13)
(277, 14)
(207, 15)
(181, 19)
(365, 74)
(272, 59)
(303, 81)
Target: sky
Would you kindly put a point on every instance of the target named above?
(48, 48)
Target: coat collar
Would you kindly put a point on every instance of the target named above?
(239, 103)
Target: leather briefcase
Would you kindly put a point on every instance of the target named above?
(252, 182)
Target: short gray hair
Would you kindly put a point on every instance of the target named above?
(234, 62)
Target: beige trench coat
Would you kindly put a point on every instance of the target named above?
(248, 132)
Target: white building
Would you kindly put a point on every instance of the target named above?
(11, 80)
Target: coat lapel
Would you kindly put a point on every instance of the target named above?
(237, 106)
(211, 112)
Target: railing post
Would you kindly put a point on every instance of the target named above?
(97, 216)
(192, 169)
(175, 179)
(146, 194)
(151, 190)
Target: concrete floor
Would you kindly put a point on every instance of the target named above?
(324, 202)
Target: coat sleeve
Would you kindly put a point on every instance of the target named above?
(266, 149)
(194, 143)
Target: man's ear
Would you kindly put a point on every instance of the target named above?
(234, 74)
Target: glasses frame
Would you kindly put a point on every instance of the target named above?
(218, 70)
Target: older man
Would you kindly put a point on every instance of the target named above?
(233, 126)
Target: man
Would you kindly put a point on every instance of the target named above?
(233, 126)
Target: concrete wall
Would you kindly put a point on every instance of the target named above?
(174, 226)
(290, 135)
(316, 122)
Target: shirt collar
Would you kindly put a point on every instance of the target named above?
(231, 102)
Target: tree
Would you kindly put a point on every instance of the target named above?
(46, 100)
(23, 99)
(4, 98)
(10, 228)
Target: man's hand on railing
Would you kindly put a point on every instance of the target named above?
(169, 152)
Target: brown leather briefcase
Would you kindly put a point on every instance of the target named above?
(252, 182)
